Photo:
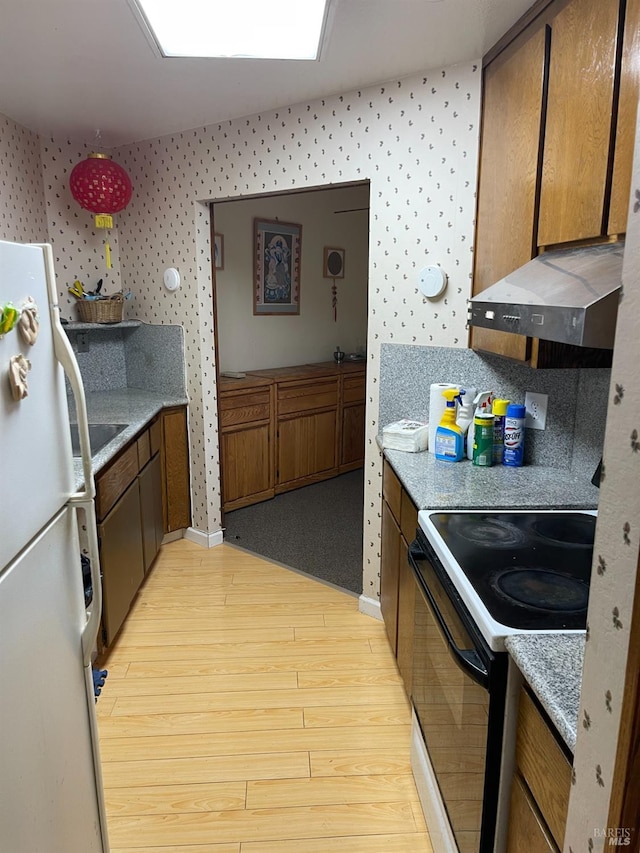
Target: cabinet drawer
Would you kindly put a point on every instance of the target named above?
(392, 490)
(115, 480)
(408, 517)
(144, 449)
(244, 408)
(543, 766)
(296, 397)
(353, 389)
(155, 436)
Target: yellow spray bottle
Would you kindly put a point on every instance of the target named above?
(449, 437)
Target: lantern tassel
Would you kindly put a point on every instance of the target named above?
(107, 254)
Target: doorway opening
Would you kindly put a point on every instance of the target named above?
(291, 383)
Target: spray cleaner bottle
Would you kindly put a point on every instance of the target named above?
(449, 436)
(482, 402)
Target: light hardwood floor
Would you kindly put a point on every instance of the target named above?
(250, 709)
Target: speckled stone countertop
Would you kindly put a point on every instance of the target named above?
(129, 406)
(433, 484)
(552, 666)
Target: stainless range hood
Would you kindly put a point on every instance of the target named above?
(568, 295)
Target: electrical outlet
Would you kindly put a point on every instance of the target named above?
(536, 406)
(82, 342)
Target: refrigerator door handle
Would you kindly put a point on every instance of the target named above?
(90, 630)
(65, 355)
(84, 499)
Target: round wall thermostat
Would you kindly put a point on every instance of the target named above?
(171, 279)
(432, 281)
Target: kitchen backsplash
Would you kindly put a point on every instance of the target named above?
(577, 406)
(144, 356)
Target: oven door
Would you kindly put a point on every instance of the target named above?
(458, 690)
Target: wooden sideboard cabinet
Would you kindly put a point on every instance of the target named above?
(559, 105)
(287, 427)
(541, 784)
(246, 441)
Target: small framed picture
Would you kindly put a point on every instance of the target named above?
(333, 263)
(218, 251)
(276, 265)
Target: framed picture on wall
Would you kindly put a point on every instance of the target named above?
(276, 267)
(333, 266)
(218, 251)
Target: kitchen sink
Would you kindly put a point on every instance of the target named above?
(99, 436)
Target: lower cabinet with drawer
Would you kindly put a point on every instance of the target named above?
(246, 442)
(287, 427)
(307, 426)
(397, 587)
(141, 495)
(541, 784)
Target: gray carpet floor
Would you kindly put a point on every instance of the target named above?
(316, 529)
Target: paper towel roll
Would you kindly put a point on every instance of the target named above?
(437, 405)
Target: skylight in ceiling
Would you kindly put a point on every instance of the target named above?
(254, 29)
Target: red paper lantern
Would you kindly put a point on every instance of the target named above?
(101, 186)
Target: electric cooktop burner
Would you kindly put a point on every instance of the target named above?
(530, 570)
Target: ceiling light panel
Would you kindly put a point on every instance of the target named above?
(255, 29)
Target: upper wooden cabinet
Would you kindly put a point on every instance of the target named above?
(513, 90)
(626, 126)
(579, 120)
(559, 106)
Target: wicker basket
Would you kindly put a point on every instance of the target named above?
(101, 310)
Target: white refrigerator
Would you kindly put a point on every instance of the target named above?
(51, 798)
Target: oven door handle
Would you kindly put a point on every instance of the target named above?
(468, 660)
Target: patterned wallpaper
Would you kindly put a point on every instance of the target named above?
(613, 580)
(22, 208)
(416, 141)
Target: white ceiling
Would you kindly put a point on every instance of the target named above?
(72, 67)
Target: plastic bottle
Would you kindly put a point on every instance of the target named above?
(482, 403)
(499, 409)
(483, 439)
(514, 436)
(449, 438)
(466, 410)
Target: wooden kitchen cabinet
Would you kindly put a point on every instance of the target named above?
(390, 574)
(578, 122)
(626, 126)
(176, 488)
(352, 396)
(307, 428)
(121, 559)
(541, 784)
(246, 441)
(286, 427)
(142, 487)
(151, 511)
(513, 89)
(558, 123)
(397, 586)
(528, 832)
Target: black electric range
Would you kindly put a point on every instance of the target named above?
(516, 571)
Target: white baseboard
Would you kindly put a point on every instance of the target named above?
(173, 536)
(370, 607)
(206, 540)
